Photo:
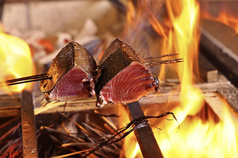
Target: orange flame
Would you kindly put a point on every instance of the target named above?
(185, 40)
(199, 136)
(196, 137)
(16, 61)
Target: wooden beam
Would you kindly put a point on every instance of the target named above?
(11, 107)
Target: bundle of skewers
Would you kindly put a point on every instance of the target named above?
(78, 134)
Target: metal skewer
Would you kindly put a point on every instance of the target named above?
(162, 56)
(169, 61)
(29, 141)
(45, 77)
(24, 80)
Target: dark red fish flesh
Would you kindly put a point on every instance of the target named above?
(72, 75)
(124, 76)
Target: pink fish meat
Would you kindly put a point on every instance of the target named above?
(124, 76)
(72, 75)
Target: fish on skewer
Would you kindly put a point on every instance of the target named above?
(124, 76)
(72, 75)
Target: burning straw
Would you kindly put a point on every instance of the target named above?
(81, 133)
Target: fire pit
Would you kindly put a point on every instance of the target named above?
(193, 115)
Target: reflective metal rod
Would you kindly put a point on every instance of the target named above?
(144, 135)
(29, 141)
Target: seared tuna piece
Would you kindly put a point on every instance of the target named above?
(124, 76)
(72, 75)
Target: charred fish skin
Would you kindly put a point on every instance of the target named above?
(124, 76)
(128, 51)
(116, 57)
(74, 62)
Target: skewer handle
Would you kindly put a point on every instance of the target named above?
(29, 141)
(144, 135)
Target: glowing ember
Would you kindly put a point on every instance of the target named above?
(16, 61)
(197, 136)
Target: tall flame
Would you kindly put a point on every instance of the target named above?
(201, 137)
(196, 137)
(16, 61)
(185, 40)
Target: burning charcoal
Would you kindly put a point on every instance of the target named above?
(71, 75)
(124, 76)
